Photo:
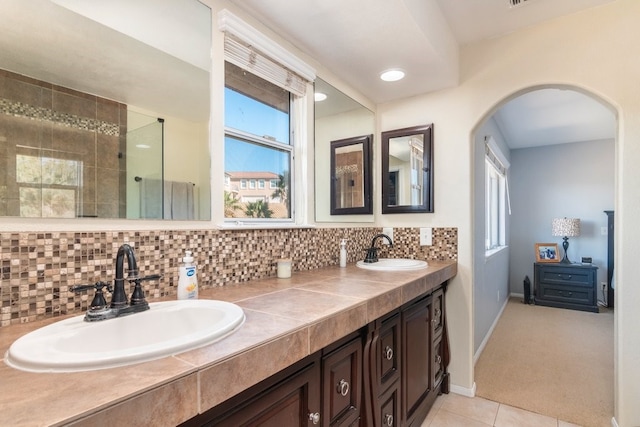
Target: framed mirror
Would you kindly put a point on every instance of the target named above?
(351, 176)
(338, 117)
(407, 170)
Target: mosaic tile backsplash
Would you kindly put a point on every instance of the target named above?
(37, 269)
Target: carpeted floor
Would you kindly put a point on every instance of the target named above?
(552, 361)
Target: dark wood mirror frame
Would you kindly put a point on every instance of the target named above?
(365, 176)
(389, 191)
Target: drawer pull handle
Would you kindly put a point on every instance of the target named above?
(314, 417)
(388, 353)
(438, 313)
(388, 420)
(343, 387)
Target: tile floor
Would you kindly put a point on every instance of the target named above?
(454, 410)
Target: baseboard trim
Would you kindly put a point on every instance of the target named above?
(463, 391)
(614, 423)
(483, 344)
(514, 295)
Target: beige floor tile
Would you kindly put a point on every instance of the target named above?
(566, 424)
(434, 410)
(445, 418)
(476, 408)
(508, 416)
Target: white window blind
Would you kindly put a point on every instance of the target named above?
(250, 50)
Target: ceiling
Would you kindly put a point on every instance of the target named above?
(358, 39)
(355, 39)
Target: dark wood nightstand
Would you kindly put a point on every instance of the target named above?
(571, 286)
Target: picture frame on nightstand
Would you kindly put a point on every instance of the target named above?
(547, 252)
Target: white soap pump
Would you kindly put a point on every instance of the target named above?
(187, 278)
(343, 253)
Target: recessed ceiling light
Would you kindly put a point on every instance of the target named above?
(392, 75)
(319, 96)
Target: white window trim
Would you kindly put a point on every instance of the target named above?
(299, 116)
(499, 165)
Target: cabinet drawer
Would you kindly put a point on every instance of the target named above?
(389, 404)
(437, 363)
(567, 276)
(438, 312)
(389, 351)
(341, 379)
(571, 294)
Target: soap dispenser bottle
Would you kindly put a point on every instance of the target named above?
(187, 278)
(343, 253)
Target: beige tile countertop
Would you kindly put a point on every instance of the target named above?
(286, 320)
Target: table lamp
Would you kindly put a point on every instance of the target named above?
(565, 227)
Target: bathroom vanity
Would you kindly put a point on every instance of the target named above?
(333, 346)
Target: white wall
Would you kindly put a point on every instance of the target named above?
(572, 180)
(596, 51)
(490, 274)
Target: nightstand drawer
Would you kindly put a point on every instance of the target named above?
(572, 276)
(572, 294)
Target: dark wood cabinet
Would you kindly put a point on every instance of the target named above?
(416, 357)
(406, 358)
(342, 385)
(610, 256)
(386, 375)
(572, 286)
(292, 402)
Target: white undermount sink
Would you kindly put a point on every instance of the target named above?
(393, 264)
(165, 329)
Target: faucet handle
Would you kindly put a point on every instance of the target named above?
(98, 302)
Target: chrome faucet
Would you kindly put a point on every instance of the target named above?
(119, 305)
(372, 251)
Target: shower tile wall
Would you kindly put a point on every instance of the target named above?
(41, 119)
(37, 269)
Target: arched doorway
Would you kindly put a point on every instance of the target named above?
(560, 165)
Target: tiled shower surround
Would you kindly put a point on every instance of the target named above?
(38, 268)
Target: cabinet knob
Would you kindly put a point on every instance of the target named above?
(388, 420)
(343, 387)
(314, 417)
(388, 353)
(438, 312)
(438, 359)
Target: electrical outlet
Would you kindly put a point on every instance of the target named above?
(498, 296)
(425, 236)
(389, 232)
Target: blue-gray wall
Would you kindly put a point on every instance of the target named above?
(491, 274)
(568, 180)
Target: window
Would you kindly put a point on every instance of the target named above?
(496, 197)
(48, 187)
(257, 141)
(243, 184)
(266, 92)
(273, 183)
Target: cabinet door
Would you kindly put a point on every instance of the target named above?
(293, 402)
(389, 404)
(416, 357)
(438, 312)
(341, 379)
(388, 352)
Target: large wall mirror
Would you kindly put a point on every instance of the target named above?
(407, 170)
(351, 176)
(337, 118)
(104, 109)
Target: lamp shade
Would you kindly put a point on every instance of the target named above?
(567, 227)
